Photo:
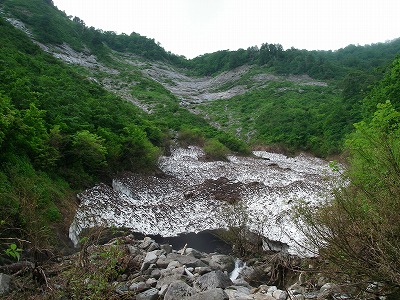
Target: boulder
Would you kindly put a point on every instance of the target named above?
(167, 279)
(212, 280)
(222, 262)
(298, 297)
(188, 261)
(4, 283)
(179, 290)
(239, 292)
(202, 270)
(147, 241)
(174, 264)
(151, 294)
(213, 294)
(151, 258)
(280, 295)
(167, 248)
(138, 286)
(122, 289)
(262, 296)
(151, 282)
(193, 252)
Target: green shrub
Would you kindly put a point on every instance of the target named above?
(215, 149)
(189, 136)
(358, 232)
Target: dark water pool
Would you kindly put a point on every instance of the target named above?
(204, 241)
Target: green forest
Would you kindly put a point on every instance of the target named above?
(61, 132)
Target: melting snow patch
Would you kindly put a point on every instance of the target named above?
(192, 195)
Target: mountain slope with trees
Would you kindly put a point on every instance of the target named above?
(64, 127)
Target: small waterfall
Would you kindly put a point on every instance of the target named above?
(239, 265)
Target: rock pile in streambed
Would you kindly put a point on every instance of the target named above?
(146, 270)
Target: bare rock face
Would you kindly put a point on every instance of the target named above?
(194, 195)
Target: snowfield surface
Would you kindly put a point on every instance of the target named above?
(195, 195)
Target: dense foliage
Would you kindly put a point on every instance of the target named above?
(61, 131)
(51, 26)
(308, 117)
(317, 64)
(358, 232)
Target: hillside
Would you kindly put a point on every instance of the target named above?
(288, 84)
(79, 106)
(65, 118)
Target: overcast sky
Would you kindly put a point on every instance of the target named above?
(195, 27)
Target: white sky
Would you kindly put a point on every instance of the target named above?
(195, 27)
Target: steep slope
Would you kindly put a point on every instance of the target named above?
(262, 82)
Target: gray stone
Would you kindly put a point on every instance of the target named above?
(138, 286)
(178, 271)
(214, 294)
(163, 290)
(174, 264)
(167, 248)
(202, 270)
(163, 262)
(4, 283)
(272, 289)
(262, 296)
(151, 294)
(222, 262)
(153, 246)
(122, 289)
(296, 288)
(151, 282)
(188, 261)
(193, 252)
(246, 272)
(239, 293)
(212, 280)
(330, 287)
(280, 295)
(151, 258)
(134, 250)
(146, 242)
(156, 273)
(168, 279)
(298, 297)
(178, 290)
(241, 282)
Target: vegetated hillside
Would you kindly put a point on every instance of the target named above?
(60, 130)
(266, 109)
(357, 232)
(68, 125)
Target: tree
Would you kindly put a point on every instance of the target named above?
(138, 153)
(358, 233)
(88, 150)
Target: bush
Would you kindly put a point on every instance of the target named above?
(358, 233)
(188, 137)
(215, 149)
